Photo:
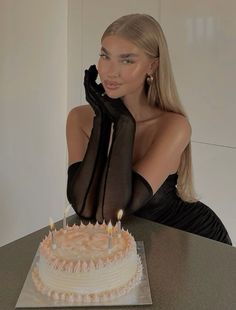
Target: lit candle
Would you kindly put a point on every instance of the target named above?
(65, 216)
(52, 233)
(119, 216)
(109, 230)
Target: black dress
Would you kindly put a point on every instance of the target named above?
(166, 207)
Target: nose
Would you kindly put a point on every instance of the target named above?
(113, 70)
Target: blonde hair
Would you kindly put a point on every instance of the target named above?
(145, 32)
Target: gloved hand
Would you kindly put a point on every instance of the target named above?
(93, 91)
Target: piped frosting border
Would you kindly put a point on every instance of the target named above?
(84, 265)
(87, 298)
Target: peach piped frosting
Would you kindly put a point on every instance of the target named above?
(65, 256)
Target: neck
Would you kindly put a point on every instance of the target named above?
(138, 106)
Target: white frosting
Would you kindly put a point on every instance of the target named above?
(81, 267)
(109, 277)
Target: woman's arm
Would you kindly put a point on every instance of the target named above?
(130, 187)
(87, 157)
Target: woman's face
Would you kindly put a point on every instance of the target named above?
(122, 67)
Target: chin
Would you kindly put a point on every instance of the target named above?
(113, 96)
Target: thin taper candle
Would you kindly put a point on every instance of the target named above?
(65, 216)
(119, 216)
(109, 230)
(54, 246)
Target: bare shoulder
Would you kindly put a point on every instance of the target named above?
(176, 120)
(82, 117)
(174, 126)
(82, 112)
(172, 133)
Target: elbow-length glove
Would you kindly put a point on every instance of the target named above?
(121, 188)
(84, 177)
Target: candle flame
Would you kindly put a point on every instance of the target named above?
(51, 223)
(109, 228)
(120, 214)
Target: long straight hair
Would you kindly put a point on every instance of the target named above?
(145, 32)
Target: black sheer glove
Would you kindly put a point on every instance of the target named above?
(121, 188)
(84, 177)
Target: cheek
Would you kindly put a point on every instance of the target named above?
(101, 69)
(136, 74)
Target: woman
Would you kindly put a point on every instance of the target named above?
(130, 148)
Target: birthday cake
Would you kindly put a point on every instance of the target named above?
(87, 263)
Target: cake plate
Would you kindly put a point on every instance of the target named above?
(139, 295)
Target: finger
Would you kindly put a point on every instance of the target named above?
(86, 78)
(93, 71)
(90, 74)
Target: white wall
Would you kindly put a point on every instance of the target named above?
(33, 98)
(202, 41)
(40, 40)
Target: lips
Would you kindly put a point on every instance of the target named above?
(111, 85)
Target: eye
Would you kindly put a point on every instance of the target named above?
(127, 61)
(103, 56)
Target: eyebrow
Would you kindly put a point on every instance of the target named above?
(126, 55)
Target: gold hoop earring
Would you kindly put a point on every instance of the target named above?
(149, 79)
